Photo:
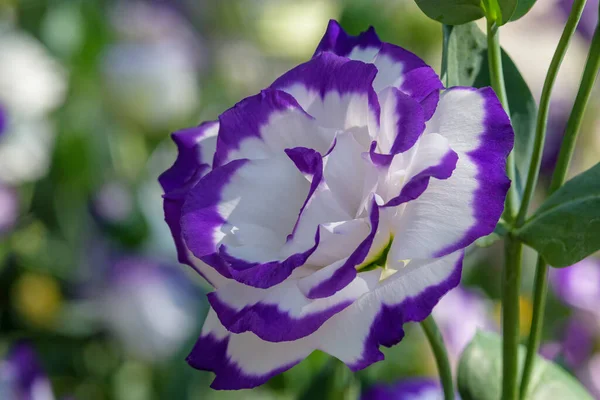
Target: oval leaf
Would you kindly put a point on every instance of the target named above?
(465, 64)
(566, 227)
(523, 7)
(480, 372)
(451, 12)
(507, 9)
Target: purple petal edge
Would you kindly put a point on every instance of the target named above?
(347, 272)
(270, 323)
(210, 354)
(417, 185)
(337, 41)
(387, 328)
(490, 158)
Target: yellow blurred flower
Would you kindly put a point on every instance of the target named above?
(525, 314)
(37, 298)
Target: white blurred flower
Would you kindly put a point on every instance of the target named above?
(32, 84)
(152, 309)
(151, 74)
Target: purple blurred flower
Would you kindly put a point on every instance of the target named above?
(474, 313)
(22, 377)
(153, 309)
(3, 119)
(113, 203)
(589, 18)
(333, 207)
(409, 389)
(151, 73)
(579, 285)
(575, 344)
(9, 208)
(589, 375)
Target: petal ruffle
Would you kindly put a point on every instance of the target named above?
(353, 335)
(196, 148)
(265, 124)
(336, 91)
(239, 215)
(452, 213)
(397, 67)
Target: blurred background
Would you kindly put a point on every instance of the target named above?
(93, 304)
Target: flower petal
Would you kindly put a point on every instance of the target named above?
(402, 122)
(396, 66)
(452, 213)
(352, 335)
(336, 91)
(328, 281)
(242, 213)
(282, 312)
(196, 148)
(431, 157)
(266, 124)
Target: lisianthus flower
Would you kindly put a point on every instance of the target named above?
(22, 377)
(9, 208)
(589, 17)
(32, 84)
(579, 286)
(408, 389)
(475, 314)
(333, 206)
(151, 308)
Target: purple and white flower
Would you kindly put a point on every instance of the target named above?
(9, 208)
(22, 377)
(579, 286)
(409, 389)
(151, 308)
(475, 314)
(333, 207)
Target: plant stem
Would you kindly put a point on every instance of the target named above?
(511, 284)
(441, 356)
(537, 321)
(511, 279)
(558, 178)
(542, 117)
(497, 78)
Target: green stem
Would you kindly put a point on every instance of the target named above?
(441, 356)
(542, 117)
(558, 178)
(537, 321)
(497, 78)
(511, 284)
(511, 280)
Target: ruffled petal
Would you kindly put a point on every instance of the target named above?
(352, 335)
(336, 91)
(196, 148)
(266, 124)
(452, 213)
(431, 157)
(283, 312)
(397, 67)
(402, 122)
(242, 213)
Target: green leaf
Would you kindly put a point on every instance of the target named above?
(451, 12)
(465, 64)
(507, 9)
(523, 7)
(566, 227)
(480, 372)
